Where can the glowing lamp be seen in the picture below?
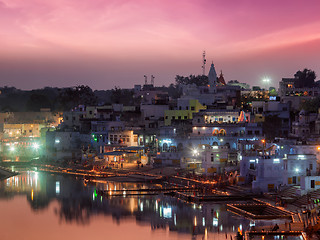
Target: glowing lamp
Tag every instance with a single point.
(36, 146)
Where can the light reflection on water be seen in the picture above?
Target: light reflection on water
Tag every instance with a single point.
(67, 208)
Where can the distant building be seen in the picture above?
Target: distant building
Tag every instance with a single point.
(295, 96)
(268, 168)
(184, 111)
(268, 111)
(304, 126)
(217, 93)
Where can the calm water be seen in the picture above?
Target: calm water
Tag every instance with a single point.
(41, 206)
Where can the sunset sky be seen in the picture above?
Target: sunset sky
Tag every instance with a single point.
(108, 43)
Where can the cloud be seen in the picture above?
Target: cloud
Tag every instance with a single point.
(149, 33)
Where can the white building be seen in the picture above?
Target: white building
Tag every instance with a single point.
(271, 171)
(297, 165)
(215, 159)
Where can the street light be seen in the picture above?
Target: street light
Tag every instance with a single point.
(36, 146)
(195, 151)
(266, 81)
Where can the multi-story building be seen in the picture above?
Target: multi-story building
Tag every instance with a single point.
(304, 126)
(293, 95)
(215, 159)
(273, 111)
(268, 167)
(209, 129)
(184, 111)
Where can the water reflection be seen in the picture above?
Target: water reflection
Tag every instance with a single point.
(79, 203)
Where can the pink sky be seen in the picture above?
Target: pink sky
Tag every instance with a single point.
(107, 43)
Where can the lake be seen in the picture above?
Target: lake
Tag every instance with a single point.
(38, 206)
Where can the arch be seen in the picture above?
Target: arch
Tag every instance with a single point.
(215, 144)
(222, 132)
(165, 147)
(180, 147)
(173, 148)
(215, 132)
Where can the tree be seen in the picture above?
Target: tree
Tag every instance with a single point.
(272, 92)
(73, 97)
(123, 96)
(311, 105)
(37, 101)
(174, 91)
(200, 80)
(304, 78)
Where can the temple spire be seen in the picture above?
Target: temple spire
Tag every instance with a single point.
(212, 78)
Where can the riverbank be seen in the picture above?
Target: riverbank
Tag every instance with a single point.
(6, 173)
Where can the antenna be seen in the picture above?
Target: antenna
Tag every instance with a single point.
(204, 60)
(152, 79)
(145, 79)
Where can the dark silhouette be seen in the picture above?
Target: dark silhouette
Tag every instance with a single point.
(200, 80)
(304, 78)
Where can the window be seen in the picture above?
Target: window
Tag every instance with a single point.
(185, 117)
(179, 107)
(166, 117)
(187, 108)
(252, 166)
(212, 159)
(198, 120)
(312, 184)
(294, 180)
(173, 118)
(250, 132)
(30, 131)
(310, 166)
(73, 118)
(179, 117)
(192, 108)
(257, 132)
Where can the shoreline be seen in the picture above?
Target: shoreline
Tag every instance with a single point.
(6, 173)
